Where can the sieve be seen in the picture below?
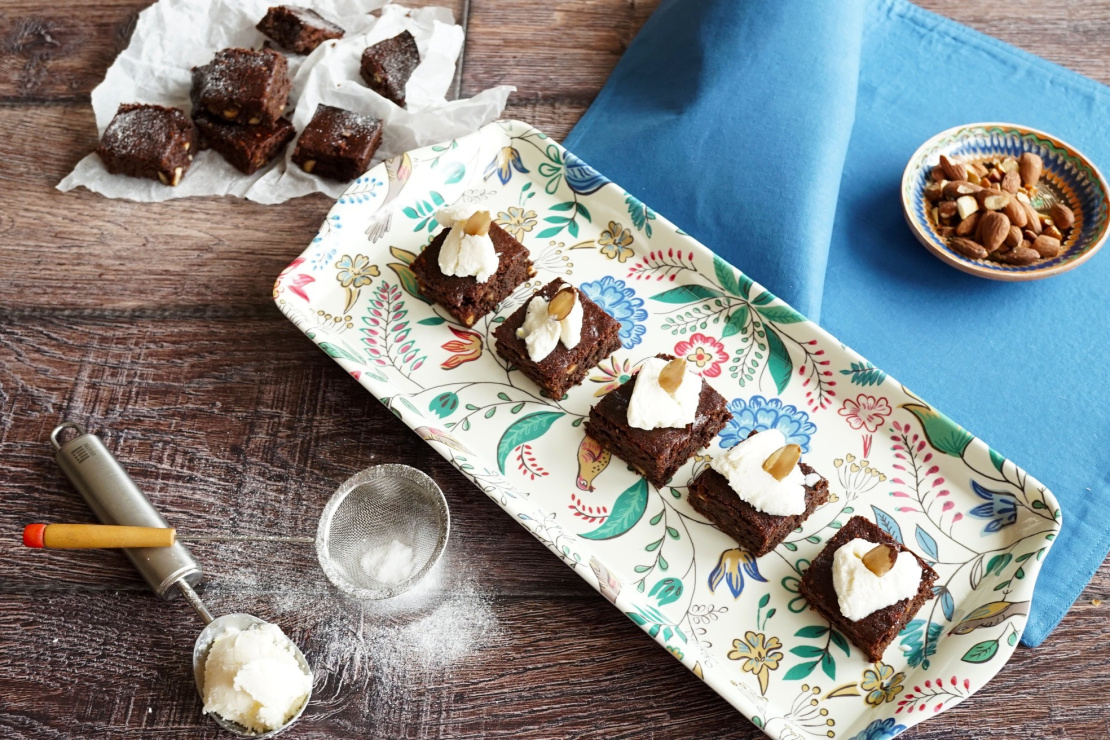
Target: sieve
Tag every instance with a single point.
(368, 512)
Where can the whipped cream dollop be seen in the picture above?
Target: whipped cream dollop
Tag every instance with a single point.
(861, 592)
(651, 407)
(541, 333)
(464, 255)
(743, 466)
(252, 677)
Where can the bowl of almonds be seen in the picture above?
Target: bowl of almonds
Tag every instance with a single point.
(1005, 202)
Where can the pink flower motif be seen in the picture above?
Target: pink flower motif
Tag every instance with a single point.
(866, 411)
(706, 354)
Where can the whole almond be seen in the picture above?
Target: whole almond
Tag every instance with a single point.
(782, 461)
(1011, 183)
(879, 560)
(968, 225)
(993, 200)
(1030, 166)
(1062, 216)
(955, 188)
(1046, 246)
(994, 227)
(1016, 213)
(561, 305)
(1034, 222)
(947, 209)
(670, 377)
(1020, 256)
(1029, 236)
(968, 248)
(937, 174)
(1015, 237)
(952, 170)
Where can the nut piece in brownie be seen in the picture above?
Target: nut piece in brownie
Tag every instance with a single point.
(387, 65)
(297, 29)
(658, 452)
(873, 632)
(593, 332)
(494, 274)
(780, 504)
(248, 148)
(243, 86)
(337, 143)
(149, 141)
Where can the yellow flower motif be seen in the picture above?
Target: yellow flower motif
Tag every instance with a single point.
(614, 242)
(675, 652)
(355, 273)
(516, 221)
(759, 656)
(881, 683)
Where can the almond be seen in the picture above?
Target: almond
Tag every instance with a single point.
(561, 305)
(1015, 211)
(968, 225)
(993, 200)
(1062, 216)
(1030, 166)
(966, 205)
(936, 174)
(956, 188)
(968, 248)
(1046, 246)
(879, 560)
(994, 228)
(952, 170)
(946, 231)
(1053, 232)
(782, 461)
(995, 175)
(670, 378)
(1020, 256)
(1009, 164)
(478, 224)
(1011, 183)
(934, 191)
(1015, 238)
(947, 209)
(1034, 222)
(979, 168)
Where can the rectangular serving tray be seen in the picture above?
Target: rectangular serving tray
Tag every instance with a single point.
(738, 623)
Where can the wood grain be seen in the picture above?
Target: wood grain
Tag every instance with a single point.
(154, 325)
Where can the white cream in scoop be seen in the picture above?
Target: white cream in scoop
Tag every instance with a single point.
(541, 333)
(743, 466)
(861, 592)
(651, 407)
(462, 254)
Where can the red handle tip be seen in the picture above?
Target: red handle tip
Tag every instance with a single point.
(33, 535)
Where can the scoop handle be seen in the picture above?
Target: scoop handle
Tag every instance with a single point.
(89, 536)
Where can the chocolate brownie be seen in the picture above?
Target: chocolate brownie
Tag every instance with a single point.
(337, 143)
(297, 29)
(712, 496)
(249, 148)
(387, 66)
(244, 86)
(877, 630)
(149, 141)
(464, 297)
(656, 453)
(564, 368)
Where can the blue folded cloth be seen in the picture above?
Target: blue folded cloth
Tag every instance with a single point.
(776, 133)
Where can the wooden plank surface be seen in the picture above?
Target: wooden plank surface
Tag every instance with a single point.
(154, 325)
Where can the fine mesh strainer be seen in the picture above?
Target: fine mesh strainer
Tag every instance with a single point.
(368, 512)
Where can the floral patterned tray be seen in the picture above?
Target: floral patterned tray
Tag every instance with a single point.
(736, 622)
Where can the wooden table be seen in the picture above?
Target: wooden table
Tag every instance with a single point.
(153, 325)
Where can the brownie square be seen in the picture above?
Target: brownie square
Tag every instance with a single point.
(297, 29)
(464, 297)
(249, 148)
(877, 630)
(564, 368)
(756, 531)
(337, 143)
(656, 453)
(149, 141)
(387, 65)
(244, 86)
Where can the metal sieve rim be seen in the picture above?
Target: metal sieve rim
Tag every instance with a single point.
(369, 475)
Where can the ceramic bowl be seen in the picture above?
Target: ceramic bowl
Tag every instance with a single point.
(1068, 178)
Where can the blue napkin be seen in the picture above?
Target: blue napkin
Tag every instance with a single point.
(776, 133)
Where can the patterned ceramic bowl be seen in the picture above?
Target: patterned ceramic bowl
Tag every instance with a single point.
(1068, 178)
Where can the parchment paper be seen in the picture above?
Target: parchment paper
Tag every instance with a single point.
(173, 36)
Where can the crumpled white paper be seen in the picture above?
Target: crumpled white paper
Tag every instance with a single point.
(173, 36)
